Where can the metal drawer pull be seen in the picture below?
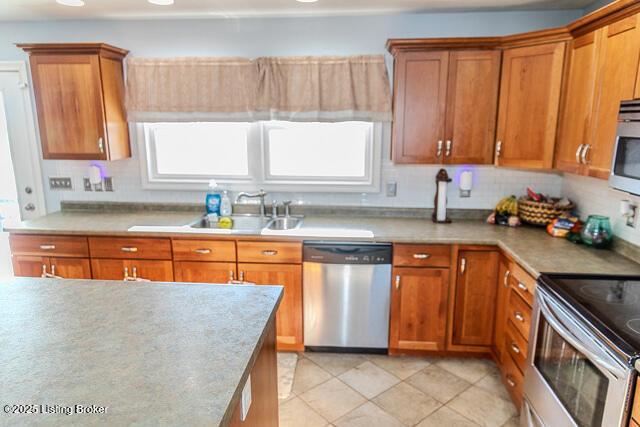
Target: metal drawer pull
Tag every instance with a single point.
(515, 348)
(271, 252)
(439, 150)
(202, 251)
(421, 256)
(463, 265)
(505, 281)
(129, 249)
(397, 282)
(518, 316)
(448, 149)
(47, 247)
(510, 381)
(523, 286)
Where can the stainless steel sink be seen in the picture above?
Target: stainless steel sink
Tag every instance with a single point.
(285, 223)
(241, 223)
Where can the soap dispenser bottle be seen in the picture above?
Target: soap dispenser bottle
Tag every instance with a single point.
(213, 199)
(225, 204)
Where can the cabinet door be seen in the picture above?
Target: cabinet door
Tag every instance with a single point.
(29, 266)
(504, 273)
(70, 106)
(475, 303)
(575, 126)
(420, 86)
(419, 299)
(108, 269)
(528, 109)
(114, 269)
(70, 268)
(204, 272)
(472, 104)
(617, 70)
(289, 317)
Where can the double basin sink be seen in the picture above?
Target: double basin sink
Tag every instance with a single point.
(253, 223)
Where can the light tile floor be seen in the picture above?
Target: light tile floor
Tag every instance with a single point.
(352, 390)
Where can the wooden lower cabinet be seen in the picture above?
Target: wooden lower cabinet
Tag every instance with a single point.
(117, 269)
(263, 411)
(419, 299)
(513, 379)
(475, 298)
(66, 268)
(289, 317)
(504, 272)
(204, 272)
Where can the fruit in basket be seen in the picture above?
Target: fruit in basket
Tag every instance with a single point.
(507, 206)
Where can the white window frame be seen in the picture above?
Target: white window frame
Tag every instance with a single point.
(257, 178)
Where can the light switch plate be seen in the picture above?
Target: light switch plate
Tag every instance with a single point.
(60, 183)
(246, 399)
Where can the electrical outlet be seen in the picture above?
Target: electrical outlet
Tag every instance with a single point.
(245, 400)
(392, 189)
(87, 184)
(107, 183)
(62, 183)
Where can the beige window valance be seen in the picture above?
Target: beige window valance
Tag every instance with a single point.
(226, 89)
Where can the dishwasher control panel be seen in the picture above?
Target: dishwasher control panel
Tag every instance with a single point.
(347, 253)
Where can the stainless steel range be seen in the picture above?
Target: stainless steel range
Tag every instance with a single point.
(584, 340)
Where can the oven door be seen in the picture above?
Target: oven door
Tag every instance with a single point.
(625, 167)
(572, 378)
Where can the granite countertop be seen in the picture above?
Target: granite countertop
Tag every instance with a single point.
(536, 251)
(152, 353)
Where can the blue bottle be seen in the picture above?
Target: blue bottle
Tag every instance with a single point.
(213, 199)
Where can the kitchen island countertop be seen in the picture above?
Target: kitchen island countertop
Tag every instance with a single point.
(150, 353)
(531, 247)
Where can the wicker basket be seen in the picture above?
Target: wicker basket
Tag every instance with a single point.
(540, 213)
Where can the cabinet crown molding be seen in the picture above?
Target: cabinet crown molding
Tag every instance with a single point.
(73, 48)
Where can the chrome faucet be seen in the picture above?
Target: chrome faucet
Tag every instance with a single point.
(260, 194)
(274, 209)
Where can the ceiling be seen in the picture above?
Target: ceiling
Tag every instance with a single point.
(140, 9)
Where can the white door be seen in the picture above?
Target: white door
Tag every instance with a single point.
(21, 190)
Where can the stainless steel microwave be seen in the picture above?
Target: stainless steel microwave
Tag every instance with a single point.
(625, 167)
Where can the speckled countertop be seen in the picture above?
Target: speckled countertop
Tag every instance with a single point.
(153, 353)
(531, 247)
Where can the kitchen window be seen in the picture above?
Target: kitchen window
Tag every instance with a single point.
(274, 155)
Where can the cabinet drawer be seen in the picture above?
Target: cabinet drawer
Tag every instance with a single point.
(513, 380)
(270, 252)
(523, 283)
(60, 246)
(203, 250)
(519, 313)
(421, 255)
(129, 248)
(516, 346)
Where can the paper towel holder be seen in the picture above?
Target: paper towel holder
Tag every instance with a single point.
(443, 177)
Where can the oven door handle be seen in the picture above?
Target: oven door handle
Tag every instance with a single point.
(552, 319)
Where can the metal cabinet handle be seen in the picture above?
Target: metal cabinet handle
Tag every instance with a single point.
(101, 145)
(202, 251)
(448, 149)
(231, 276)
(578, 152)
(523, 286)
(241, 277)
(515, 348)
(125, 273)
(505, 280)
(44, 271)
(421, 256)
(397, 282)
(270, 252)
(47, 247)
(439, 151)
(498, 148)
(583, 156)
(463, 265)
(129, 249)
(518, 316)
(510, 381)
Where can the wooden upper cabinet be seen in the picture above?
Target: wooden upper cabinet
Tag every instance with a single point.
(575, 127)
(472, 103)
(475, 298)
(418, 319)
(617, 74)
(528, 107)
(420, 86)
(79, 94)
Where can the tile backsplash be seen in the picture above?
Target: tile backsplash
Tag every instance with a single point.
(415, 185)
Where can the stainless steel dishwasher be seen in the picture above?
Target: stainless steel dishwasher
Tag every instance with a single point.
(346, 293)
